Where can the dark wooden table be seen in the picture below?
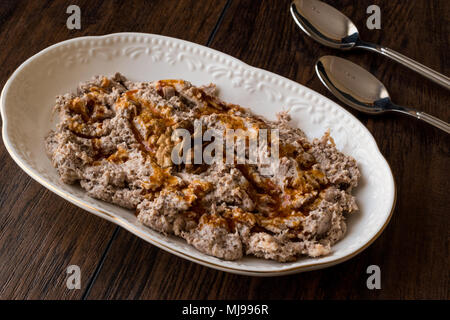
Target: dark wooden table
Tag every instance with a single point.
(41, 234)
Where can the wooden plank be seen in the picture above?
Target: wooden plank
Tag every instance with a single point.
(413, 251)
(40, 233)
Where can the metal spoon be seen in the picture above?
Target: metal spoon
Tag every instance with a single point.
(331, 28)
(359, 89)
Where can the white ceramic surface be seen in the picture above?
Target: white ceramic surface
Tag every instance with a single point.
(28, 97)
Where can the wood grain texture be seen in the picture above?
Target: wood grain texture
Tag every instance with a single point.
(412, 252)
(40, 233)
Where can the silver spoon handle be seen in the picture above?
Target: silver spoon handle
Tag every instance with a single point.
(410, 63)
(438, 123)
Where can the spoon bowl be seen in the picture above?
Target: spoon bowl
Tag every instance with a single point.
(325, 24)
(353, 85)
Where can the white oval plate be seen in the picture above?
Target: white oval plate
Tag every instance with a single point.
(28, 97)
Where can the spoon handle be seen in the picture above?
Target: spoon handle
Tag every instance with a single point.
(438, 123)
(410, 63)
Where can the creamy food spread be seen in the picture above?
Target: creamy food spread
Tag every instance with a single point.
(115, 139)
